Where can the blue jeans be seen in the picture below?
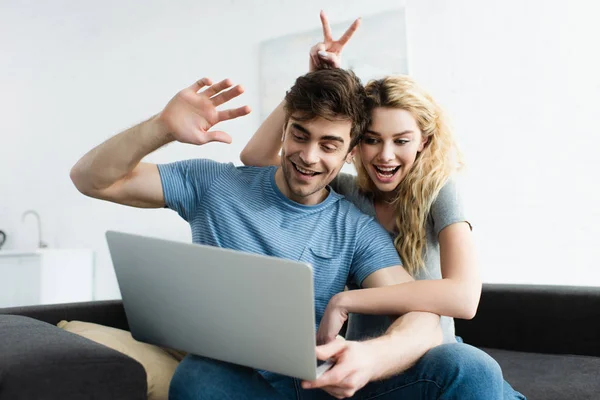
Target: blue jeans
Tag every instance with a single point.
(449, 371)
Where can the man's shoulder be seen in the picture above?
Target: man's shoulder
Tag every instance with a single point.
(254, 171)
(365, 226)
(232, 170)
(350, 211)
(211, 172)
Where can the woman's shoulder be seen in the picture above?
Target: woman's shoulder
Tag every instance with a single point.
(447, 208)
(345, 184)
(449, 193)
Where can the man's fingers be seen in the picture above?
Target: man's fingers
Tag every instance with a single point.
(224, 97)
(334, 377)
(199, 84)
(326, 28)
(330, 349)
(217, 87)
(217, 136)
(339, 393)
(233, 113)
(349, 32)
(335, 392)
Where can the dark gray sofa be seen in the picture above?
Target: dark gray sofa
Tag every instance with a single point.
(546, 338)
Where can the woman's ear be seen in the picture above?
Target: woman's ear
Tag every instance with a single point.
(424, 141)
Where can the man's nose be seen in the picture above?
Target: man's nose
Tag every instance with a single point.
(310, 155)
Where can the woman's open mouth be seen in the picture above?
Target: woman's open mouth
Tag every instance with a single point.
(386, 174)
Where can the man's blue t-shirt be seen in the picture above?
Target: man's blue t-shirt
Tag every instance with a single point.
(242, 208)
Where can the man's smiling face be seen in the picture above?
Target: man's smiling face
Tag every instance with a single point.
(312, 154)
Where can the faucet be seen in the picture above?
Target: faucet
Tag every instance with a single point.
(41, 244)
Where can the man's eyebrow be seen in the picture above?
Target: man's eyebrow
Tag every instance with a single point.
(326, 137)
(406, 132)
(300, 128)
(333, 138)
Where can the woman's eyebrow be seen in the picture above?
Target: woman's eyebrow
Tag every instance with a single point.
(406, 132)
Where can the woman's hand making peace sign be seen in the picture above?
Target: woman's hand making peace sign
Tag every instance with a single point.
(327, 54)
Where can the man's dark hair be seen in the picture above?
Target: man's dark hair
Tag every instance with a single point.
(333, 94)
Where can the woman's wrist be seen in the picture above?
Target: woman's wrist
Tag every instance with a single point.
(343, 301)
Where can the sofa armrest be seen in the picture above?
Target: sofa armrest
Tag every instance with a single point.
(536, 318)
(108, 313)
(41, 361)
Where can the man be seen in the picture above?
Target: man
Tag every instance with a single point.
(288, 212)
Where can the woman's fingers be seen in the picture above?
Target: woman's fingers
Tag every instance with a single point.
(331, 59)
(349, 32)
(314, 57)
(317, 48)
(326, 28)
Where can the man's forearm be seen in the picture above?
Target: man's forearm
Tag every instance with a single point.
(405, 342)
(118, 156)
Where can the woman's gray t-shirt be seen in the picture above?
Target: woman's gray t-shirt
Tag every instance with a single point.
(447, 209)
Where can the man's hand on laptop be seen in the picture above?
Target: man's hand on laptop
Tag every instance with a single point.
(355, 365)
(191, 112)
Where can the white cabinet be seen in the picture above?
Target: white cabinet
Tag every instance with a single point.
(46, 276)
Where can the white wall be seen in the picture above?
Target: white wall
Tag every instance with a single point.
(518, 78)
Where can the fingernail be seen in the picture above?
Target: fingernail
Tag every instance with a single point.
(322, 54)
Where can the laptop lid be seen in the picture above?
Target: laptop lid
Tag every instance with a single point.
(247, 309)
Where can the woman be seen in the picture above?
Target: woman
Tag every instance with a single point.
(405, 163)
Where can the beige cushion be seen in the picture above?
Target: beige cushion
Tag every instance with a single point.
(159, 363)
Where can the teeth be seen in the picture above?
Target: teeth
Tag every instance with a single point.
(387, 169)
(304, 171)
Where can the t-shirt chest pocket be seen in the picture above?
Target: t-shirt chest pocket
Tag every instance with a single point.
(328, 269)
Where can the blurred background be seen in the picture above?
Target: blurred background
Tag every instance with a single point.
(519, 80)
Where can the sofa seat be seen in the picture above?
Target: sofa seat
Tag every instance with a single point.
(41, 361)
(579, 376)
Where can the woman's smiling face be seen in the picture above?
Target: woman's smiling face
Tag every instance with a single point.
(390, 146)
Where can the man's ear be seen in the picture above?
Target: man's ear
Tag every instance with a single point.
(350, 155)
(285, 125)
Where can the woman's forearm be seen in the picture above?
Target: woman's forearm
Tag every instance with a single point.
(263, 148)
(440, 296)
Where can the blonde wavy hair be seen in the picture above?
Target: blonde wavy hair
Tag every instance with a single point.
(433, 166)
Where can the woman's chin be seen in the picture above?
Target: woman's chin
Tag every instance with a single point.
(385, 185)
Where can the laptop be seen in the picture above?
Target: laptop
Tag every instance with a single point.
(246, 309)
